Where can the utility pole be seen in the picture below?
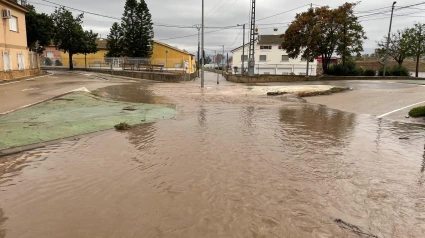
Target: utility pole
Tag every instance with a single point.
(243, 50)
(222, 59)
(252, 33)
(216, 59)
(203, 56)
(388, 39)
(227, 62)
(198, 27)
(308, 53)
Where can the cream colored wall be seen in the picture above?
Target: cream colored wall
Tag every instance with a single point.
(14, 55)
(274, 63)
(11, 39)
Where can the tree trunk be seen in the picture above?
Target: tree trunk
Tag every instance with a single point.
(417, 65)
(344, 51)
(324, 66)
(71, 65)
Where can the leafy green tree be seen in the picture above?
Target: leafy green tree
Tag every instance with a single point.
(114, 42)
(137, 29)
(398, 48)
(89, 45)
(69, 33)
(415, 38)
(207, 60)
(40, 29)
(351, 33)
(320, 32)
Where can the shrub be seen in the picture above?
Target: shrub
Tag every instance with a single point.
(369, 72)
(349, 69)
(58, 63)
(122, 126)
(48, 62)
(417, 112)
(399, 71)
(395, 71)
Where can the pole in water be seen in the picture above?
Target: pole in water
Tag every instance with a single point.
(202, 45)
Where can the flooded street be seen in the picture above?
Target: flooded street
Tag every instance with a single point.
(230, 164)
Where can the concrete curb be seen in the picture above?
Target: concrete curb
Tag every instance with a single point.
(38, 75)
(24, 148)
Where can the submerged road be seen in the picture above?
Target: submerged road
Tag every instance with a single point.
(230, 164)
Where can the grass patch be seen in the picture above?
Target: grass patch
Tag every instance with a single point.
(417, 112)
(122, 126)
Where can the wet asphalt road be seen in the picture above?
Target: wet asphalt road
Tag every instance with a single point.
(17, 94)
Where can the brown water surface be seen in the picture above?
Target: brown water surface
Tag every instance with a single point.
(227, 166)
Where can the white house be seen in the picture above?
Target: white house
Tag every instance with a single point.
(270, 58)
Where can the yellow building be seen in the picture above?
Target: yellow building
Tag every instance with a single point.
(172, 58)
(16, 60)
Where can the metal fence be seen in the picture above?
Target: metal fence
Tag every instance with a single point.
(34, 60)
(278, 69)
(166, 64)
(50, 61)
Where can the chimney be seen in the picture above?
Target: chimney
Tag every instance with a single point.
(275, 32)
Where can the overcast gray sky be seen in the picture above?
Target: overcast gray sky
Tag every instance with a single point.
(221, 13)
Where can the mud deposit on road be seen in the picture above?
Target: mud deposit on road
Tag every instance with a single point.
(227, 166)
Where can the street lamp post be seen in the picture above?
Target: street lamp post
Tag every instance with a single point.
(388, 39)
(166, 60)
(202, 51)
(222, 59)
(243, 50)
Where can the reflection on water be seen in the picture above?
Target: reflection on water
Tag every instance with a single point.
(318, 122)
(131, 92)
(225, 171)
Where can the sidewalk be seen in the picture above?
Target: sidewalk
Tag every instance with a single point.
(73, 114)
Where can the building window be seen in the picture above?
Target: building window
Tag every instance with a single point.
(265, 47)
(21, 61)
(7, 61)
(13, 23)
(285, 58)
(263, 58)
(49, 54)
(244, 57)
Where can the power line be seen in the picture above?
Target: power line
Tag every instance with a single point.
(230, 6)
(209, 12)
(282, 13)
(237, 37)
(115, 18)
(179, 37)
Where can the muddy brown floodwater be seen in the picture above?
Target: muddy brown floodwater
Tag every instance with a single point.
(226, 166)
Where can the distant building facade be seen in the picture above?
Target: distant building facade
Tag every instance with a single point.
(171, 58)
(270, 58)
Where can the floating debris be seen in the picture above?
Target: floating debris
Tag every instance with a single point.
(130, 108)
(275, 93)
(353, 228)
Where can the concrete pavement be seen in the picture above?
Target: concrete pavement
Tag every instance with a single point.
(384, 99)
(18, 94)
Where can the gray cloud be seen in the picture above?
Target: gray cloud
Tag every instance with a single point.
(221, 13)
